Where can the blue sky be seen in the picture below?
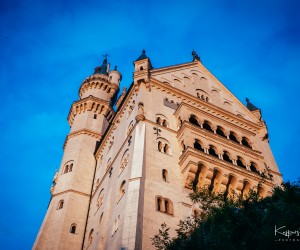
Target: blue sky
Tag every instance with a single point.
(48, 47)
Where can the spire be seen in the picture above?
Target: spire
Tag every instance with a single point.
(142, 56)
(195, 56)
(250, 106)
(103, 69)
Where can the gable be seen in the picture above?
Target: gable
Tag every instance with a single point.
(194, 79)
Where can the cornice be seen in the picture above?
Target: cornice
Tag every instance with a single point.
(88, 104)
(72, 191)
(82, 132)
(98, 81)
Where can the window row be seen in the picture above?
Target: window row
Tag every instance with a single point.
(220, 131)
(225, 155)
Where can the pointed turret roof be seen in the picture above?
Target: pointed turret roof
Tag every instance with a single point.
(250, 106)
(103, 68)
(142, 56)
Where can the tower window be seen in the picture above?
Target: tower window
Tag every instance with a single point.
(122, 190)
(91, 237)
(165, 175)
(68, 168)
(95, 116)
(73, 229)
(60, 204)
(164, 205)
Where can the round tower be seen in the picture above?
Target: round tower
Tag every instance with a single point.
(89, 117)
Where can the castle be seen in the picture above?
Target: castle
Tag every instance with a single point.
(128, 169)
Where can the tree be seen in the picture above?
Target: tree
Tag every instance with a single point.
(236, 223)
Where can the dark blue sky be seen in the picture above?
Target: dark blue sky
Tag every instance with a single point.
(48, 47)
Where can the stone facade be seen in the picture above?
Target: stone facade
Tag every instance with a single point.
(125, 172)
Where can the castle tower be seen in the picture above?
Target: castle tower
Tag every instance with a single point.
(64, 224)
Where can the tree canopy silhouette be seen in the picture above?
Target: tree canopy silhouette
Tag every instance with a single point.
(238, 223)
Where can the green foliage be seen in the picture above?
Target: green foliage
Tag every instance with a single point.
(236, 223)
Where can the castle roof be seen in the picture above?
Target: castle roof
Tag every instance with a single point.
(103, 68)
(142, 56)
(250, 106)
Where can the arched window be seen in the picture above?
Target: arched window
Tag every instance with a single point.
(226, 157)
(73, 229)
(246, 142)
(90, 237)
(198, 146)
(159, 204)
(122, 190)
(124, 161)
(207, 126)
(212, 151)
(60, 204)
(165, 175)
(166, 149)
(66, 169)
(240, 163)
(158, 120)
(100, 198)
(233, 137)
(220, 132)
(202, 95)
(162, 120)
(183, 147)
(163, 146)
(116, 225)
(167, 207)
(254, 168)
(164, 205)
(164, 123)
(159, 146)
(194, 120)
(100, 219)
